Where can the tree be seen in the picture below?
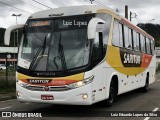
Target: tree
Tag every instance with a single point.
(153, 30)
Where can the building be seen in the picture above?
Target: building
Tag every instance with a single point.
(11, 52)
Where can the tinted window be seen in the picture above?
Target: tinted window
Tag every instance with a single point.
(72, 44)
(142, 41)
(106, 27)
(148, 46)
(136, 40)
(97, 48)
(130, 38)
(127, 37)
(152, 46)
(117, 38)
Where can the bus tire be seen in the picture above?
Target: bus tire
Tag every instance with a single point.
(146, 87)
(112, 95)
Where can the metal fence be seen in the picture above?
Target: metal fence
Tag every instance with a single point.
(7, 80)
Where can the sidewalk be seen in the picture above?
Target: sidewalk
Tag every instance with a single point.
(7, 96)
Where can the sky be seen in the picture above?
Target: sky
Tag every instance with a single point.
(146, 10)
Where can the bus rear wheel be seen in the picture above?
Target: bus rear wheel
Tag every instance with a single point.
(146, 87)
(112, 95)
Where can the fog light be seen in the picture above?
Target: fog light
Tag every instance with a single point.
(85, 96)
(17, 94)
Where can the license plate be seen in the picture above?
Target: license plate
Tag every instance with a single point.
(47, 97)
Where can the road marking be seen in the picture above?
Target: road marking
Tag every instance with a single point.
(155, 109)
(8, 100)
(5, 108)
(147, 118)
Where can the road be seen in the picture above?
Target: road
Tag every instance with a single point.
(132, 101)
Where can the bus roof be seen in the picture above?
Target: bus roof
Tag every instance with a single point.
(67, 11)
(85, 9)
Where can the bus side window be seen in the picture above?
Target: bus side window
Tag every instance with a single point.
(117, 38)
(136, 40)
(152, 47)
(127, 37)
(148, 46)
(97, 52)
(143, 43)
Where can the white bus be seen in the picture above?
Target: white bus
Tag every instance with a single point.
(81, 55)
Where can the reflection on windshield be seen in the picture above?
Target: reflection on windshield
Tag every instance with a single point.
(76, 53)
(35, 44)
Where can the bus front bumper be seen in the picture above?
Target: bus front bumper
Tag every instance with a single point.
(78, 96)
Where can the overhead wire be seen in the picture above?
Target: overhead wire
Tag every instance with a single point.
(41, 4)
(31, 5)
(139, 19)
(103, 4)
(15, 7)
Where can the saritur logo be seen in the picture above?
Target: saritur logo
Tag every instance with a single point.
(39, 81)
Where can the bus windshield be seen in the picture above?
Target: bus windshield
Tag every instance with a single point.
(55, 44)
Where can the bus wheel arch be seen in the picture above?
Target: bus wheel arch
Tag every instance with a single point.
(113, 91)
(146, 87)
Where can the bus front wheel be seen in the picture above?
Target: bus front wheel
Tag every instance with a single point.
(112, 94)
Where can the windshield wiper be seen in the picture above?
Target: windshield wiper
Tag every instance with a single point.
(61, 53)
(36, 58)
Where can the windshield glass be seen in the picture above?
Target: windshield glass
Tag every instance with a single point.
(55, 44)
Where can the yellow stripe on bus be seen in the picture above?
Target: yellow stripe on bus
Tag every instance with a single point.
(114, 60)
(77, 77)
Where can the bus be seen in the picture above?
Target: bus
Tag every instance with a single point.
(81, 55)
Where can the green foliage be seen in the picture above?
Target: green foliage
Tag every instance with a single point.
(11, 80)
(158, 68)
(153, 30)
(2, 31)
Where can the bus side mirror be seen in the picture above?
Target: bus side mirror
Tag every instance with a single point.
(8, 31)
(92, 27)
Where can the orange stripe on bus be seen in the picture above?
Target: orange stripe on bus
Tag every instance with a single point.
(146, 59)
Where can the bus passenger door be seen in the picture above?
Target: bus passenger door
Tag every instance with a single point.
(97, 64)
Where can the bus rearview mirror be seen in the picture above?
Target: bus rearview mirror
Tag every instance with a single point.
(8, 31)
(92, 27)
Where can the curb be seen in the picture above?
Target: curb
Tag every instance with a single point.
(7, 98)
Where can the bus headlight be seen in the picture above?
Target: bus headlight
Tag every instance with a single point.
(22, 84)
(81, 83)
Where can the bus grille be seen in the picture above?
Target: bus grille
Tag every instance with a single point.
(51, 88)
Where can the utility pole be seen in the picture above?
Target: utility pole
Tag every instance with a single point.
(8, 56)
(91, 1)
(126, 11)
(135, 15)
(6, 71)
(130, 16)
(16, 17)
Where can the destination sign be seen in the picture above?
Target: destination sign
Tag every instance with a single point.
(39, 23)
